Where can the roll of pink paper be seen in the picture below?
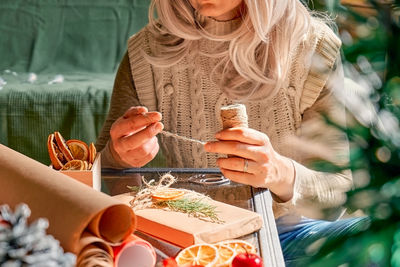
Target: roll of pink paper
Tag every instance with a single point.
(134, 252)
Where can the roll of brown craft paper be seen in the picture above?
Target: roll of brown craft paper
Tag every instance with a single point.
(234, 116)
(85, 221)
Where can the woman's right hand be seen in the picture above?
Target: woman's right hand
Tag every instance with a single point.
(133, 136)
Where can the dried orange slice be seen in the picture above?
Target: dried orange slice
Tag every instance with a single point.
(226, 255)
(239, 246)
(79, 149)
(60, 141)
(74, 165)
(56, 157)
(92, 153)
(168, 194)
(86, 165)
(202, 254)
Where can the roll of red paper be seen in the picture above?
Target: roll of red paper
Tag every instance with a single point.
(134, 252)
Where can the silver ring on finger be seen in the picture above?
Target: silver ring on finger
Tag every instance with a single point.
(246, 165)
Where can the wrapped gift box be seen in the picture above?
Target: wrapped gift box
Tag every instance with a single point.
(183, 230)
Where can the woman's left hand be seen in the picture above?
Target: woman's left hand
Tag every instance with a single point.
(253, 161)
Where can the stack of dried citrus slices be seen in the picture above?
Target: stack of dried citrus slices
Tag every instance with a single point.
(213, 255)
(70, 155)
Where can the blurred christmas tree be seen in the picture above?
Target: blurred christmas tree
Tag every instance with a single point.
(370, 32)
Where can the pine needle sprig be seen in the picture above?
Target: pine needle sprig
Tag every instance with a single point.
(193, 207)
(134, 188)
(193, 203)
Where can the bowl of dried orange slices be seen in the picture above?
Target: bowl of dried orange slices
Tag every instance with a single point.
(75, 158)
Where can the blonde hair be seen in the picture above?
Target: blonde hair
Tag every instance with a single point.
(260, 49)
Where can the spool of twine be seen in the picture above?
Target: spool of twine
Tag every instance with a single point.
(234, 116)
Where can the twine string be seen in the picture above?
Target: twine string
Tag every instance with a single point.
(232, 116)
(143, 199)
(169, 134)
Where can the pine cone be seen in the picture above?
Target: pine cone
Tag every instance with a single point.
(28, 245)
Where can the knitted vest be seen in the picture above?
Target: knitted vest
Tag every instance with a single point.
(190, 101)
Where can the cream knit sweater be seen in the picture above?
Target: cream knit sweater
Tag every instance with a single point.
(190, 104)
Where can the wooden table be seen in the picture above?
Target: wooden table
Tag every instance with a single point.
(210, 182)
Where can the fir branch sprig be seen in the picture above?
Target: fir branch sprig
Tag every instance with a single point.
(134, 188)
(193, 207)
(193, 203)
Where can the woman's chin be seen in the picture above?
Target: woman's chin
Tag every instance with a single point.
(208, 10)
(212, 14)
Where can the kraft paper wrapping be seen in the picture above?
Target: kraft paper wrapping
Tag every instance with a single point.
(85, 221)
(183, 230)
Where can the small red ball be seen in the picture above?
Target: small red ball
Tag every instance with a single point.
(169, 262)
(247, 260)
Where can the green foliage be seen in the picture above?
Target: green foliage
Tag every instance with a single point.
(371, 46)
(194, 207)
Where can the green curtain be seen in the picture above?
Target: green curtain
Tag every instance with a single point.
(82, 40)
(67, 35)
